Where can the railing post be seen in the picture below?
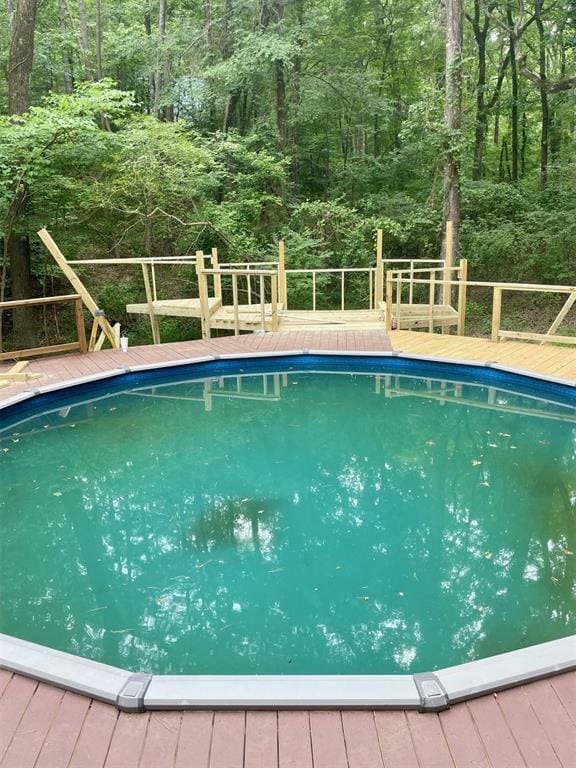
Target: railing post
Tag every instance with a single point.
(217, 278)
(203, 294)
(371, 287)
(411, 298)
(496, 313)
(462, 277)
(314, 291)
(342, 291)
(431, 297)
(150, 301)
(262, 303)
(274, 301)
(389, 299)
(235, 303)
(379, 277)
(398, 298)
(448, 263)
(282, 285)
(80, 326)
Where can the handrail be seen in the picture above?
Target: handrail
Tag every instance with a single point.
(80, 345)
(395, 278)
(235, 272)
(397, 272)
(342, 271)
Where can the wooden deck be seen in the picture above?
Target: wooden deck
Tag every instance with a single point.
(533, 726)
(222, 317)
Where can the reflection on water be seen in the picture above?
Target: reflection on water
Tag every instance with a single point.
(302, 523)
(233, 523)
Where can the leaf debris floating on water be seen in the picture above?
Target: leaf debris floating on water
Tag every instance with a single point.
(476, 462)
(362, 597)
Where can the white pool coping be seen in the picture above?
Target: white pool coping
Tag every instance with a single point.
(426, 692)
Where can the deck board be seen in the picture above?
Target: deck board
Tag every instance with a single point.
(531, 725)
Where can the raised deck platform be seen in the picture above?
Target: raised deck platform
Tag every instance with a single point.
(173, 307)
(413, 316)
(250, 315)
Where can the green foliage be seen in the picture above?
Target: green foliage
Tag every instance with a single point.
(317, 122)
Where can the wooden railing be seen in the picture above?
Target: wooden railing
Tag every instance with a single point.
(79, 345)
(550, 335)
(395, 280)
(438, 279)
(236, 274)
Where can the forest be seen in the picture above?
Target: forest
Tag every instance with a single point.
(159, 127)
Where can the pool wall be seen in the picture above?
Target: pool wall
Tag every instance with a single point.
(426, 692)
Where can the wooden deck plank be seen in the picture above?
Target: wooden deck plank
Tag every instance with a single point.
(13, 704)
(395, 739)
(261, 740)
(33, 728)
(193, 749)
(228, 740)
(362, 747)
(462, 738)
(5, 677)
(554, 720)
(498, 741)
(328, 746)
(294, 740)
(527, 730)
(429, 742)
(127, 740)
(161, 740)
(61, 739)
(94, 738)
(565, 687)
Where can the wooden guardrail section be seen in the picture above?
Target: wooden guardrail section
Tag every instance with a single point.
(248, 296)
(79, 345)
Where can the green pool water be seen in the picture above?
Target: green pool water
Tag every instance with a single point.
(297, 523)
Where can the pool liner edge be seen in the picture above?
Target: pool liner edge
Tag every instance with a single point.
(64, 670)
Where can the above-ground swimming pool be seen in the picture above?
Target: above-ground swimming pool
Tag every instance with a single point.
(296, 516)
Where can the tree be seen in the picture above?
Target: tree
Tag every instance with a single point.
(17, 245)
(454, 16)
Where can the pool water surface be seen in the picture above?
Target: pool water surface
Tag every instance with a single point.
(290, 522)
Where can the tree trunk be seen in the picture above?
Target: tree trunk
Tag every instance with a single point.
(98, 41)
(545, 129)
(524, 145)
(85, 40)
(281, 108)
(17, 247)
(151, 97)
(158, 75)
(480, 34)
(453, 116)
(68, 64)
(514, 109)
